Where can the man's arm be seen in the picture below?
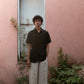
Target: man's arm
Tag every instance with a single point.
(28, 54)
(47, 49)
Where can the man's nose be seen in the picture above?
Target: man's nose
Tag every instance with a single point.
(37, 22)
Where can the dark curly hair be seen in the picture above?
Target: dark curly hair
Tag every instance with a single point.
(37, 17)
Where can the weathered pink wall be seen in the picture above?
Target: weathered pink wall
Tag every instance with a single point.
(8, 41)
(65, 23)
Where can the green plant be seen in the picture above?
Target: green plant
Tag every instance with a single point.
(77, 67)
(21, 37)
(22, 53)
(14, 22)
(23, 80)
(62, 60)
(23, 77)
(63, 73)
(0, 81)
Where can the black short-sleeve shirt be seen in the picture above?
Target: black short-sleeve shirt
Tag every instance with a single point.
(38, 43)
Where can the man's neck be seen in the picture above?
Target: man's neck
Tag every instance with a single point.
(38, 29)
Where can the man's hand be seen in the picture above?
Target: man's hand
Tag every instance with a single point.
(28, 63)
(28, 60)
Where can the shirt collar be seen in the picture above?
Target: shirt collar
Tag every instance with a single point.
(40, 30)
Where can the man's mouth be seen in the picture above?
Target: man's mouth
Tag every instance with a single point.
(37, 23)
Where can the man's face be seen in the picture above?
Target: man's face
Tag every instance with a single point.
(37, 23)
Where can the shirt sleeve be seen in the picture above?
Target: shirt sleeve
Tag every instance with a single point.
(29, 39)
(48, 39)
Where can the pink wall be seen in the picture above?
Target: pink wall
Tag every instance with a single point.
(8, 41)
(65, 23)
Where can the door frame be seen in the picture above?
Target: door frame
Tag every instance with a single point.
(18, 36)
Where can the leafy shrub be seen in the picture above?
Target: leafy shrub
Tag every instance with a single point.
(23, 80)
(23, 77)
(63, 73)
(0, 81)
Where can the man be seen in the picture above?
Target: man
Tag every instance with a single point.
(38, 47)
